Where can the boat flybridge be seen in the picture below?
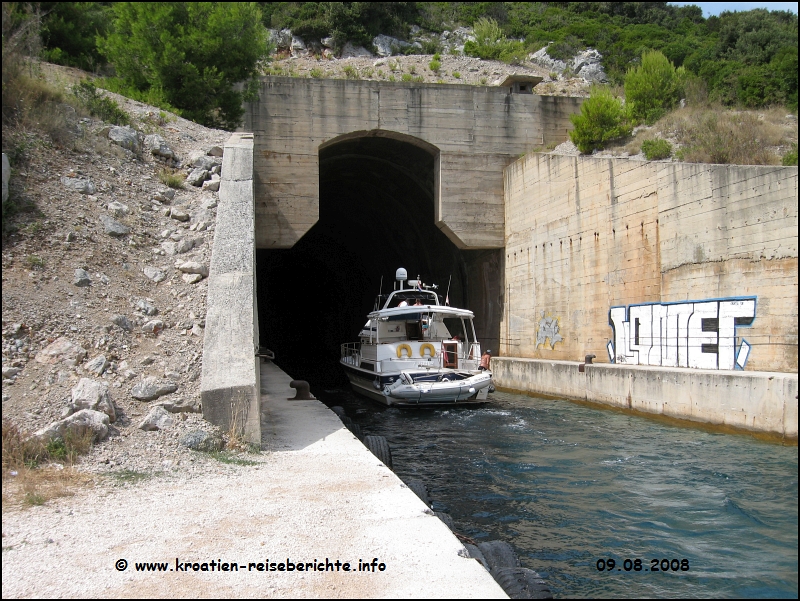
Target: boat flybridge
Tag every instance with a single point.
(414, 351)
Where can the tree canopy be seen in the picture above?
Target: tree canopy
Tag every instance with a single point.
(190, 53)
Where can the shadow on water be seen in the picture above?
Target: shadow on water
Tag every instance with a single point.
(568, 485)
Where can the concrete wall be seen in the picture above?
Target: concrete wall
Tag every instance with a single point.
(477, 131)
(761, 402)
(584, 235)
(230, 387)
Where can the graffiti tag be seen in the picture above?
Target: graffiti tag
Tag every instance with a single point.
(700, 334)
(548, 328)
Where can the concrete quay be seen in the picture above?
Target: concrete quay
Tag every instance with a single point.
(762, 402)
(335, 499)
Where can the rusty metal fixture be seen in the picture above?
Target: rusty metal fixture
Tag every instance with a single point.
(587, 360)
(303, 391)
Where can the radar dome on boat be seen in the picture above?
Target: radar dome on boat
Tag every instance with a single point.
(401, 275)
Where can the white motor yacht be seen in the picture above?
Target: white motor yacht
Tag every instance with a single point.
(414, 351)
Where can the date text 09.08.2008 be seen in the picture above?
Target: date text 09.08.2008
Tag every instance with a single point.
(635, 565)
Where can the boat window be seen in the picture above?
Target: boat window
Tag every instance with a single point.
(455, 327)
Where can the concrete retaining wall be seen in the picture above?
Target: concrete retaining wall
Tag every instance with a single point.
(230, 388)
(757, 401)
(586, 234)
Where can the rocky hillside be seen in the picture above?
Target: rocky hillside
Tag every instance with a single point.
(295, 58)
(104, 285)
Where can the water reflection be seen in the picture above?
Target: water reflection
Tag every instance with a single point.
(568, 485)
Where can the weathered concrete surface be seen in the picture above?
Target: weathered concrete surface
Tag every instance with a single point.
(757, 401)
(230, 385)
(473, 132)
(585, 234)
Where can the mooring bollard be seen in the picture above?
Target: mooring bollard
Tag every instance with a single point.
(587, 360)
(303, 391)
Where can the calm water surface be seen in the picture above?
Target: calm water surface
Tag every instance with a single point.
(567, 485)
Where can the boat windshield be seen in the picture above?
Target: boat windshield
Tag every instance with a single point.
(410, 297)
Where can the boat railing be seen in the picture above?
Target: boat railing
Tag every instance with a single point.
(350, 352)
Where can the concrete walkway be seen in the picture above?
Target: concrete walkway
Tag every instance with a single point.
(341, 502)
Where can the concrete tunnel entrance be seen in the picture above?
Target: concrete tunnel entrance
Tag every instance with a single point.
(376, 213)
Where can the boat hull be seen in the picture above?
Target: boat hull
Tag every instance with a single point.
(363, 383)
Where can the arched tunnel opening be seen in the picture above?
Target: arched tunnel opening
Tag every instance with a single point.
(376, 213)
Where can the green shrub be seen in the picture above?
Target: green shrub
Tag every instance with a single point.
(657, 149)
(431, 47)
(654, 87)
(491, 44)
(434, 66)
(315, 72)
(406, 77)
(790, 158)
(565, 49)
(456, 74)
(602, 118)
(100, 106)
(350, 72)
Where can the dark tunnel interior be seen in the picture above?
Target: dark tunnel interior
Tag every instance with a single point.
(376, 213)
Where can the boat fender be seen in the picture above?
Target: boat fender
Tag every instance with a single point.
(401, 348)
(427, 346)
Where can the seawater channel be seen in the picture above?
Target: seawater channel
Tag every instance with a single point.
(568, 485)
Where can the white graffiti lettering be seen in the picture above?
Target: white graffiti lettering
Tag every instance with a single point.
(700, 334)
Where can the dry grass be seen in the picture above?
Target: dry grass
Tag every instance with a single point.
(28, 479)
(239, 409)
(31, 487)
(713, 134)
(171, 178)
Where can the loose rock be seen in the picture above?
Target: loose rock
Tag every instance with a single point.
(151, 388)
(113, 227)
(126, 137)
(197, 176)
(157, 419)
(158, 146)
(200, 440)
(179, 214)
(90, 394)
(82, 278)
(146, 307)
(118, 209)
(122, 322)
(82, 186)
(62, 350)
(77, 425)
(153, 327)
(154, 274)
(97, 365)
(194, 267)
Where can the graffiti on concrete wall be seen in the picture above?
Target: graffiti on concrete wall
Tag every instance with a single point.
(700, 334)
(548, 329)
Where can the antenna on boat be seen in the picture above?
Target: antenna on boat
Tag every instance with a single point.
(401, 275)
(447, 296)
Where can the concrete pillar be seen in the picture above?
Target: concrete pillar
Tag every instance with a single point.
(230, 390)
